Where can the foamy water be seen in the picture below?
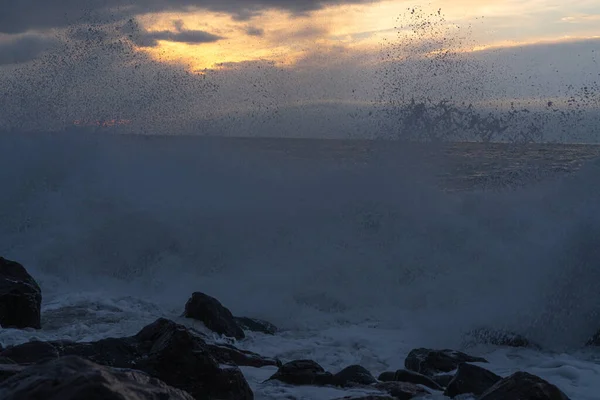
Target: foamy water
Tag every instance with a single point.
(356, 262)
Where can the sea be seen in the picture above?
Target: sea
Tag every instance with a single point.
(358, 250)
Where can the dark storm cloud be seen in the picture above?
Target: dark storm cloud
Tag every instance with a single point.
(254, 31)
(23, 15)
(15, 49)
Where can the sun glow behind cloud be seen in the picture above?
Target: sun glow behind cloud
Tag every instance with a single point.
(288, 39)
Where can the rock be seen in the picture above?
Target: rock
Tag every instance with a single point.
(402, 390)
(430, 362)
(403, 375)
(163, 349)
(522, 385)
(442, 380)
(230, 355)
(76, 378)
(7, 370)
(368, 397)
(594, 340)
(215, 316)
(256, 325)
(497, 338)
(354, 374)
(302, 372)
(471, 379)
(20, 297)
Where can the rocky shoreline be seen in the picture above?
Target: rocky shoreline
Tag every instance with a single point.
(166, 360)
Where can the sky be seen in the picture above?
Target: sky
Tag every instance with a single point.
(273, 66)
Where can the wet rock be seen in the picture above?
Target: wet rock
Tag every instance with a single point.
(497, 338)
(354, 374)
(77, 378)
(9, 369)
(368, 397)
(471, 379)
(20, 297)
(402, 390)
(594, 340)
(442, 380)
(303, 372)
(230, 355)
(163, 349)
(522, 385)
(213, 314)
(430, 362)
(403, 375)
(256, 325)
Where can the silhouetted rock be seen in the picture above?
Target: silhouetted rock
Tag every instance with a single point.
(442, 380)
(256, 325)
(430, 362)
(215, 316)
(594, 340)
(354, 374)
(402, 390)
(471, 379)
(403, 375)
(522, 385)
(498, 338)
(77, 379)
(20, 297)
(9, 369)
(230, 355)
(302, 372)
(163, 349)
(368, 397)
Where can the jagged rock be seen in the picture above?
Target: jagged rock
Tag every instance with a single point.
(354, 374)
(471, 379)
(76, 378)
(163, 349)
(256, 325)
(430, 362)
(9, 369)
(497, 338)
(442, 380)
(230, 355)
(368, 397)
(402, 390)
(215, 316)
(403, 375)
(302, 372)
(522, 385)
(20, 297)
(594, 340)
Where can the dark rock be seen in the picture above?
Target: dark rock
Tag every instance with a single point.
(430, 362)
(230, 355)
(7, 370)
(31, 352)
(471, 379)
(402, 390)
(497, 338)
(522, 385)
(354, 374)
(302, 372)
(76, 378)
(442, 380)
(256, 325)
(163, 349)
(215, 316)
(403, 375)
(594, 340)
(368, 397)
(6, 360)
(20, 297)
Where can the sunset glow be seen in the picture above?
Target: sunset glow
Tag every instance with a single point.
(288, 39)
